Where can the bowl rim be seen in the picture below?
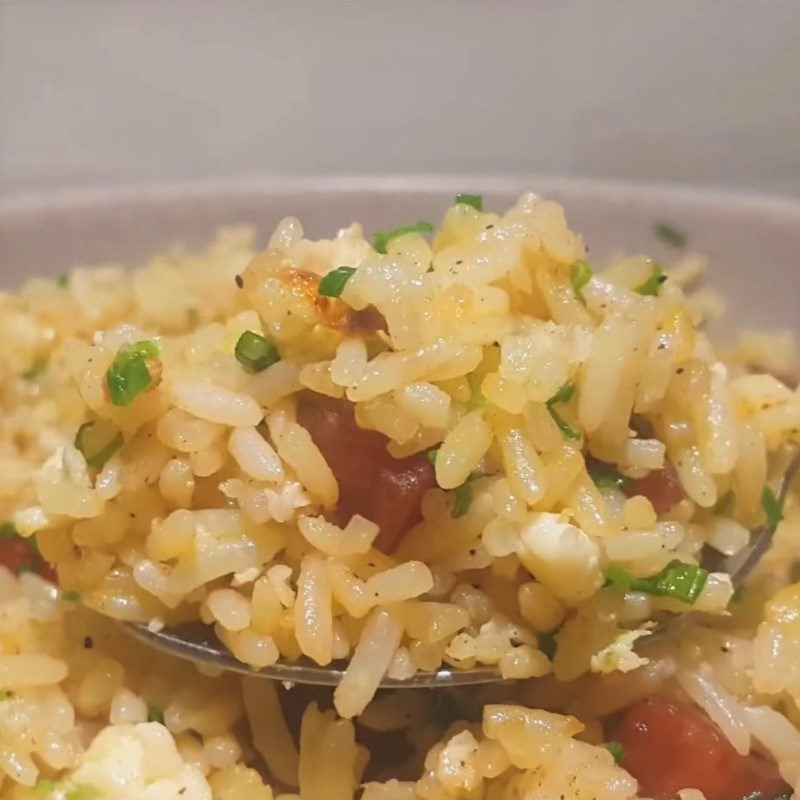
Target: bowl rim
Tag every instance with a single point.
(700, 197)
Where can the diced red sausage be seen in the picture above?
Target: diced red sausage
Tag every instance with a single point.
(18, 554)
(661, 487)
(388, 491)
(671, 746)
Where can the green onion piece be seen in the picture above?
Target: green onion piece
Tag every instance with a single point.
(476, 397)
(605, 477)
(382, 238)
(772, 508)
(570, 431)
(622, 579)
(97, 443)
(4, 695)
(71, 597)
(652, 286)
(8, 531)
(25, 566)
(333, 283)
(737, 598)
(463, 500)
(617, 749)
(580, 274)
(62, 281)
(82, 792)
(155, 714)
(36, 369)
(669, 235)
(129, 376)
(564, 395)
(547, 644)
(431, 456)
(681, 581)
(474, 200)
(45, 787)
(255, 352)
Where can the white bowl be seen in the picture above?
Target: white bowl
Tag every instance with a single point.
(751, 241)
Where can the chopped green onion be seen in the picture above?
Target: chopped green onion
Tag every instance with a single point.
(678, 580)
(564, 395)
(652, 286)
(129, 376)
(617, 749)
(605, 477)
(36, 369)
(97, 443)
(431, 456)
(82, 792)
(669, 235)
(71, 597)
(155, 714)
(333, 283)
(463, 500)
(570, 431)
(62, 281)
(580, 274)
(45, 787)
(25, 566)
(255, 352)
(772, 508)
(622, 579)
(737, 598)
(547, 644)
(476, 397)
(474, 200)
(382, 238)
(8, 531)
(682, 581)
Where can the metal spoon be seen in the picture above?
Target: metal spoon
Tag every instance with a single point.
(197, 642)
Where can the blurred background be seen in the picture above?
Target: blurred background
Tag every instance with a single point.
(95, 93)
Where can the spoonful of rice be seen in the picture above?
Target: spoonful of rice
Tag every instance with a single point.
(367, 668)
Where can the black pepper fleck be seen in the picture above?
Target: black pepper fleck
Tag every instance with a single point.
(88, 642)
(239, 281)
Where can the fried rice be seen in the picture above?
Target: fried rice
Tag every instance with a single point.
(459, 447)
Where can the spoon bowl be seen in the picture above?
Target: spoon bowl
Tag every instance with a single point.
(197, 642)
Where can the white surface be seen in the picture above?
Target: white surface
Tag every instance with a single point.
(751, 242)
(122, 91)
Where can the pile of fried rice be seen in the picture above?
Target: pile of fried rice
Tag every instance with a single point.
(459, 447)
